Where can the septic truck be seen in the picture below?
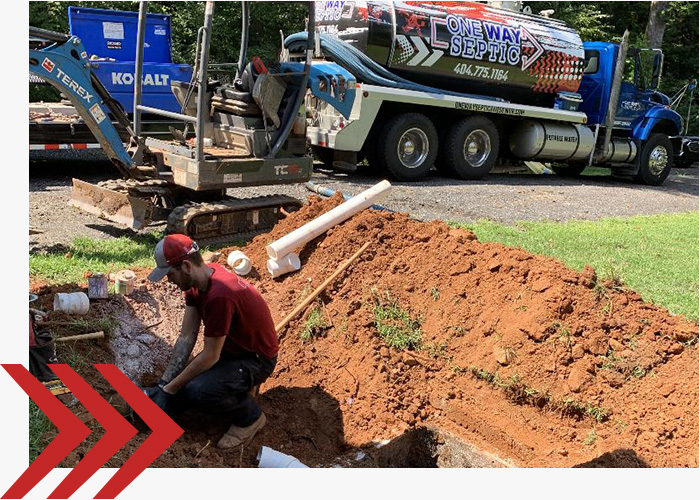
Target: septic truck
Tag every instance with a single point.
(458, 85)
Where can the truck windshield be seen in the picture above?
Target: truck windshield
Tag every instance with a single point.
(643, 68)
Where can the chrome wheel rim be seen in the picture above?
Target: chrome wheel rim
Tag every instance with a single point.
(413, 148)
(658, 160)
(477, 148)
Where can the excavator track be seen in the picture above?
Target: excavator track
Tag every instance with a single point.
(228, 219)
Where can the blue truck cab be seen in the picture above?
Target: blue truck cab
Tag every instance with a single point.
(643, 113)
(109, 36)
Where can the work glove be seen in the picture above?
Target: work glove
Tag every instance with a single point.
(161, 398)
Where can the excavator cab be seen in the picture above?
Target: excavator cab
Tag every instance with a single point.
(250, 131)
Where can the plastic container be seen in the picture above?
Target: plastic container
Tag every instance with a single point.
(124, 282)
(239, 262)
(112, 33)
(286, 264)
(568, 101)
(73, 303)
(98, 286)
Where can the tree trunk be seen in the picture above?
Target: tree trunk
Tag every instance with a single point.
(656, 25)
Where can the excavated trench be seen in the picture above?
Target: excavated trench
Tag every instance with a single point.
(518, 360)
(431, 447)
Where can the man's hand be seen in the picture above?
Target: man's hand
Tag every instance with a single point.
(160, 398)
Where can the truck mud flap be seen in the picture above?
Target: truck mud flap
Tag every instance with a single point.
(111, 205)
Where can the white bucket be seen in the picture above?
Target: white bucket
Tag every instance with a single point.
(269, 458)
(74, 303)
(239, 262)
(286, 264)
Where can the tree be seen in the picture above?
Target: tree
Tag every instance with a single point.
(656, 24)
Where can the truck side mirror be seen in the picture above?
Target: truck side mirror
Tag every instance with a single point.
(656, 70)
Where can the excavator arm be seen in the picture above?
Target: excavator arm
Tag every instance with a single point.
(65, 65)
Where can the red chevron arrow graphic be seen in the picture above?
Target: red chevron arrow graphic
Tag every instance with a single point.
(72, 431)
(118, 431)
(165, 431)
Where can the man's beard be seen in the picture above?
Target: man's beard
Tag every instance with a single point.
(187, 285)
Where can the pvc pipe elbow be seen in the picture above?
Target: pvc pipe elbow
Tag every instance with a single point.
(269, 458)
(286, 264)
(239, 262)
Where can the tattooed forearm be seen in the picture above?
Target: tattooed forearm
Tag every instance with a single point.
(181, 353)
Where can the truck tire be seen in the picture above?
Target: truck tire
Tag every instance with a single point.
(569, 170)
(471, 147)
(407, 146)
(656, 160)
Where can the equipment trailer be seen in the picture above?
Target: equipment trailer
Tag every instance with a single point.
(248, 133)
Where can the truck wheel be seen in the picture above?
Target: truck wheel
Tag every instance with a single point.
(569, 170)
(656, 161)
(471, 148)
(407, 146)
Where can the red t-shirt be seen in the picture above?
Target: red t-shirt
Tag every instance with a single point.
(233, 307)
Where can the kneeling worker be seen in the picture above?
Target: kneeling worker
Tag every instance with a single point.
(240, 342)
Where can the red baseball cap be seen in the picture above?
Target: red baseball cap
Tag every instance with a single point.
(171, 250)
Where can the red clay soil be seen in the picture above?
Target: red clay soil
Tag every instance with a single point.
(520, 356)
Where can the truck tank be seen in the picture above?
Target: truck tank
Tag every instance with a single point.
(462, 46)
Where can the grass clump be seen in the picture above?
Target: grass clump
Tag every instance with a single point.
(315, 325)
(518, 392)
(396, 325)
(92, 324)
(39, 424)
(590, 438)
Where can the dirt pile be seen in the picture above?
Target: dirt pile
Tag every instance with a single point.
(516, 354)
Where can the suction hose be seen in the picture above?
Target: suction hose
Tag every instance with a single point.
(367, 70)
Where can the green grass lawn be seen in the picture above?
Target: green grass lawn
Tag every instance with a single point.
(96, 255)
(99, 256)
(656, 255)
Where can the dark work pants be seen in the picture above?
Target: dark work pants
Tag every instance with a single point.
(224, 389)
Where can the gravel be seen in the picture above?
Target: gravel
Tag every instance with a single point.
(503, 198)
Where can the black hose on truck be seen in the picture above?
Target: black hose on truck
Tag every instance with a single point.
(366, 70)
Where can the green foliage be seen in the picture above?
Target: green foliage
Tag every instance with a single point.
(45, 93)
(266, 19)
(93, 323)
(395, 324)
(98, 256)
(590, 438)
(655, 255)
(517, 391)
(315, 325)
(606, 21)
(39, 424)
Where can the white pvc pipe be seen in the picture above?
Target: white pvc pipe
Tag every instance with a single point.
(74, 303)
(290, 242)
(269, 458)
(286, 264)
(239, 262)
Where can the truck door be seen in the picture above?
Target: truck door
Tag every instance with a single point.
(597, 77)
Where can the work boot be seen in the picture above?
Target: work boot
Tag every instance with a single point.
(238, 436)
